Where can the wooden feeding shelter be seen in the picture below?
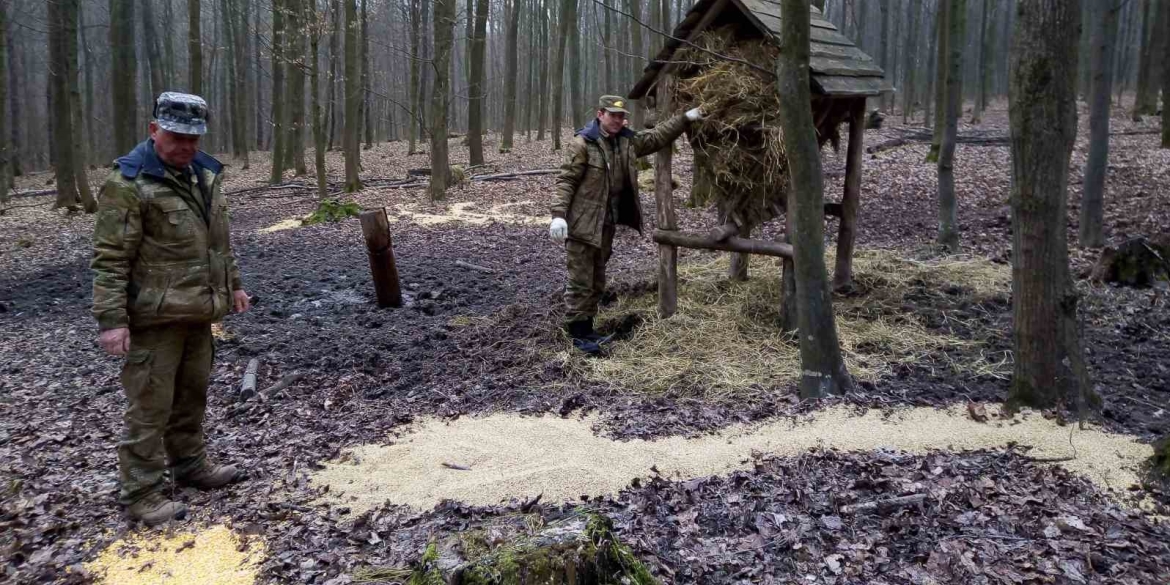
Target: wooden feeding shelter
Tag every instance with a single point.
(842, 77)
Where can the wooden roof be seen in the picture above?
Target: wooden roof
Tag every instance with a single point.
(837, 66)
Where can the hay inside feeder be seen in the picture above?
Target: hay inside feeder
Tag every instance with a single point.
(740, 160)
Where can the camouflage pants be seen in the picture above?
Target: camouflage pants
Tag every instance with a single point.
(586, 276)
(165, 378)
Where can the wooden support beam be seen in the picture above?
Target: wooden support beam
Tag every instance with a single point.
(724, 231)
(376, 229)
(851, 199)
(664, 211)
(732, 244)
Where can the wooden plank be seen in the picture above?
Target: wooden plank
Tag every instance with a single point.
(839, 52)
(843, 67)
(772, 8)
(848, 86)
(732, 244)
(850, 199)
(664, 212)
(771, 24)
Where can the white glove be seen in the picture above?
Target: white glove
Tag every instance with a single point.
(695, 114)
(558, 230)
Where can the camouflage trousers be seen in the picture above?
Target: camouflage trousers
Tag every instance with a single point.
(165, 378)
(586, 276)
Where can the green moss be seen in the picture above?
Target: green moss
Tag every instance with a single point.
(333, 210)
(426, 573)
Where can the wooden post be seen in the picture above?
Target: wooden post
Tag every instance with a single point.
(735, 244)
(376, 229)
(851, 199)
(664, 209)
(738, 271)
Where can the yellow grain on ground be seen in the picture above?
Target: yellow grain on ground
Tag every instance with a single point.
(207, 557)
(284, 224)
(466, 212)
(511, 456)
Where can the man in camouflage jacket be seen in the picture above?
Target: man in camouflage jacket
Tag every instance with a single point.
(164, 271)
(597, 190)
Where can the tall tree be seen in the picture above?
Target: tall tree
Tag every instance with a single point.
(279, 109)
(62, 128)
(238, 23)
(232, 91)
(154, 54)
(909, 87)
(476, 89)
(168, 47)
(942, 22)
(194, 48)
(1043, 117)
(1165, 22)
(87, 119)
(887, 61)
(1103, 45)
(335, 35)
(543, 92)
(568, 10)
(295, 78)
(948, 225)
(444, 33)
(821, 363)
(635, 9)
(5, 175)
(986, 46)
(124, 75)
(315, 106)
(510, 74)
(70, 9)
(1148, 60)
(415, 57)
(367, 116)
(351, 136)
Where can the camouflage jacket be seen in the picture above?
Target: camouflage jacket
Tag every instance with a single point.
(161, 250)
(583, 185)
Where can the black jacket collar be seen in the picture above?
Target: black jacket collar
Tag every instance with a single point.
(592, 131)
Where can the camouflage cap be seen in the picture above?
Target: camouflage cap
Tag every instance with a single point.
(613, 103)
(181, 113)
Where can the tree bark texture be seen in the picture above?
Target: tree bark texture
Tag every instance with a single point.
(634, 8)
(850, 199)
(948, 223)
(62, 129)
(69, 13)
(1164, 12)
(909, 88)
(942, 45)
(315, 105)
(412, 125)
(476, 89)
(367, 115)
(567, 15)
(194, 48)
(510, 74)
(335, 35)
(154, 54)
(124, 77)
(279, 87)
(666, 219)
(351, 136)
(444, 43)
(1103, 47)
(5, 136)
(1043, 118)
(823, 368)
(295, 57)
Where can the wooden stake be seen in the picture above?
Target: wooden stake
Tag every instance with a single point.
(851, 199)
(376, 229)
(664, 209)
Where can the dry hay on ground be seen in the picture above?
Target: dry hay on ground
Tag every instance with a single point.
(214, 556)
(725, 339)
(465, 212)
(508, 456)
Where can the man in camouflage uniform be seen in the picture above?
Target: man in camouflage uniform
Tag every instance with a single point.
(163, 273)
(597, 190)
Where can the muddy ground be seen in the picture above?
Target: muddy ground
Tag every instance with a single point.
(470, 342)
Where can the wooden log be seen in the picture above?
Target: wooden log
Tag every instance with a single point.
(285, 382)
(724, 231)
(884, 506)
(474, 267)
(851, 199)
(664, 211)
(737, 271)
(579, 550)
(376, 229)
(248, 388)
(732, 244)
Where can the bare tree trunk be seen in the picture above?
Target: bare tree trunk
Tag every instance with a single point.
(351, 136)
(428, 53)
(941, 71)
(168, 47)
(231, 90)
(87, 121)
(5, 175)
(367, 116)
(558, 72)
(69, 14)
(928, 96)
(887, 61)
(510, 74)
(123, 76)
(62, 129)
(1043, 113)
(334, 54)
(911, 67)
(154, 55)
(412, 125)
(948, 224)
(279, 8)
(194, 48)
(244, 97)
(1147, 99)
(295, 94)
(576, 96)
(315, 92)
(984, 62)
(542, 117)
(823, 368)
(444, 43)
(634, 7)
(477, 89)
(1165, 76)
(1103, 45)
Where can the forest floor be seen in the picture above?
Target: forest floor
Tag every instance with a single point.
(689, 434)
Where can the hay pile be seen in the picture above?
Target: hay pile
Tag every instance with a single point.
(738, 147)
(725, 341)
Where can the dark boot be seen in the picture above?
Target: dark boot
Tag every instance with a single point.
(154, 509)
(581, 333)
(209, 477)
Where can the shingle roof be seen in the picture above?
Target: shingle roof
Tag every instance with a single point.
(837, 66)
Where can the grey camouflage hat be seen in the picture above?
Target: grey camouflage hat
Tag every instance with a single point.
(181, 113)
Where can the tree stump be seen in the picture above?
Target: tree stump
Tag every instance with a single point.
(1137, 263)
(580, 550)
(376, 229)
